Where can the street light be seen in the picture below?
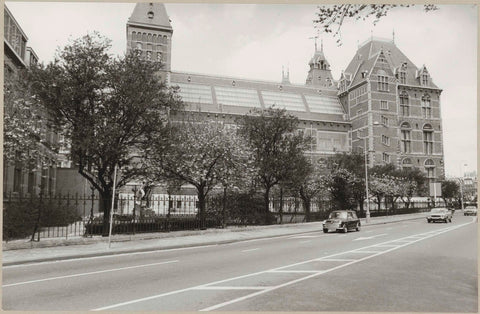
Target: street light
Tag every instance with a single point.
(365, 150)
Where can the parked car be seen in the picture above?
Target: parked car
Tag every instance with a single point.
(342, 220)
(440, 214)
(470, 211)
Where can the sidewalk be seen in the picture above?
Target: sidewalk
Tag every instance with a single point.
(21, 252)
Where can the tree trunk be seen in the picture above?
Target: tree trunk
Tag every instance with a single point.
(281, 205)
(267, 203)
(201, 207)
(224, 223)
(105, 206)
(306, 205)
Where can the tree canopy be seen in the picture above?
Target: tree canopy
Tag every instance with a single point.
(104, 105)
(276, 145)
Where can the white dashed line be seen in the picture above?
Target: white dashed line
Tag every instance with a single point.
(250, 250)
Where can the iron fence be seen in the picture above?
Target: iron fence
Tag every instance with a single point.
(67, 216)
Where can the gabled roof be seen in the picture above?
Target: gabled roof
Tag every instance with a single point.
(150, 15)
(366, 55)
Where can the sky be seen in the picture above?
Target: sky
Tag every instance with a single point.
(254, 41)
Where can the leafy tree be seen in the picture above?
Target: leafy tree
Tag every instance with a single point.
(313, 184)
(330, 18)
(106, 107)
(412, 183)
(23, 121)
(203, 154)
(271, 134)
(354, 163)
(339, 183)
(450, 191)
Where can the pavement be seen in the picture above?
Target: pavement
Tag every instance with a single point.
(23, 252)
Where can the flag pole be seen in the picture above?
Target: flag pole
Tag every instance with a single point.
(113, 202)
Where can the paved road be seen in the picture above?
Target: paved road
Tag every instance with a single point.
(404, 266)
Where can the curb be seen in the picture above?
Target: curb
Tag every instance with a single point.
(169, 247)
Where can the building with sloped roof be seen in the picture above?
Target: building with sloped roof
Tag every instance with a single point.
(394, 108)
(382, 100)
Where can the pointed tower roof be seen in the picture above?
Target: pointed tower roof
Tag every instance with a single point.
(151, 15)
(318, 55)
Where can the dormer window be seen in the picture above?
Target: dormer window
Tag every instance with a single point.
(424, 79)
(402, 76)
(150, 14)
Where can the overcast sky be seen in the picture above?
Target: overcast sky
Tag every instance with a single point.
(254, 41)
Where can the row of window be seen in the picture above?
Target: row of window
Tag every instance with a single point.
(148, 37)
(357, 92)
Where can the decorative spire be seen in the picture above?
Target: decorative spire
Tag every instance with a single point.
(393, 36)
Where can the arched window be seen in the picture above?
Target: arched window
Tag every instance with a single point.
(404, 105)
(427, 139)
(426, 107)
(382, 80)
(144, 37)
(406, 138)
(134, 36)
(149, 37)
(407, 163)
(430, 168)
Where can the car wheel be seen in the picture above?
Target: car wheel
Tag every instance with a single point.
(446, 220)
(429, 221)
(358, 226)
(345, 229)
(325, 230)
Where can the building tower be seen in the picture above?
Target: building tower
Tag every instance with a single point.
(149, 31)
(319, 73)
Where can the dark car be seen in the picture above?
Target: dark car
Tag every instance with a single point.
(440, 214)
(342, 220)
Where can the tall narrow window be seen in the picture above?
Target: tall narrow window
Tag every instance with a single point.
(403, 77)
(383, 105)
(406, 139)
(425, 79)
(430, 168)
(386, 157)
(382, 82)
(384, 120)
(404, 105)
(428, 139)
(426, 107)
(407, 163)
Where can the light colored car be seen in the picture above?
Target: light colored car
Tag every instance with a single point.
(470, 211)
(440, 214)
(342, 220)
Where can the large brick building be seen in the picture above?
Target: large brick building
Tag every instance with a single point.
(18, 177)
(382, 100)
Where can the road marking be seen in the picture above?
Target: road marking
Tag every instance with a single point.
(368, 238)
(231, 288)
(365, 252)
(305, 236)
(251, 250)
(326, 258)
(214, 307)
(335, 259)
(86, 274)
(293, 271)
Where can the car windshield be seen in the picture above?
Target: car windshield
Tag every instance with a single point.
(438, 210)
(340, 215)
(470, 207)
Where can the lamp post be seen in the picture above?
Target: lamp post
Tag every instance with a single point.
(367, 213)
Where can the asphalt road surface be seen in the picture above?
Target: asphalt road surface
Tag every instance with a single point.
(403, 267)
